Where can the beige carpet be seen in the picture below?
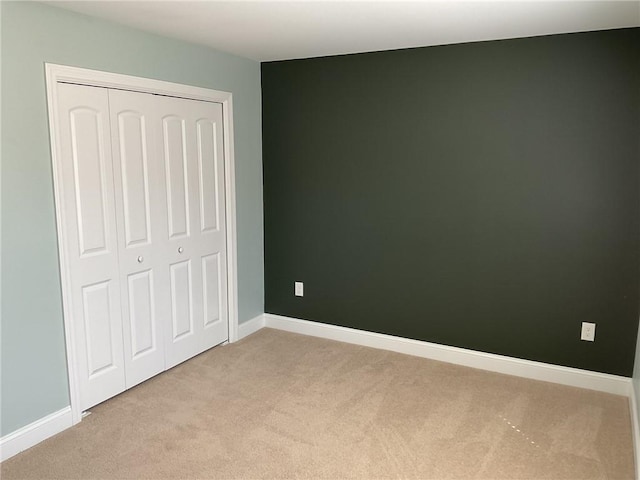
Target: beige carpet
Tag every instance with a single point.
(280, 405)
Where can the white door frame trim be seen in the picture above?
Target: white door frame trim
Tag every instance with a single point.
(56, 74)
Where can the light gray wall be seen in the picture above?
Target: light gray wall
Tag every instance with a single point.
(34, 381)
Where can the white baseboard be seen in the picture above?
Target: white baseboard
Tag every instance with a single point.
(36, 432)
(635, 427)
(250, 326)
(485, 361)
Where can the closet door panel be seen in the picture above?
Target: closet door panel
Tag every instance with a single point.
(142, 313)
(98, 315)
(179, 167)
(212, 288)
(89, 179)
(140, 212)
(192, 146)
(181, 300)
(175, 159)
(208, 168)
(134, 169)
(211, 237)
(85, 181)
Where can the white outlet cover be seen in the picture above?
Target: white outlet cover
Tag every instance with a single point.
(299, 289)
(588, 332)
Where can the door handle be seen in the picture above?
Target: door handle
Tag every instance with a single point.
(140, 259)
(180, 249)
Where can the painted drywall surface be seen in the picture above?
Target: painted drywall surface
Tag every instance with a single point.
(482, 195)
(34, 381)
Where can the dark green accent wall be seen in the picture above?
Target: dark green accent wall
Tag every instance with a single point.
(482, 195)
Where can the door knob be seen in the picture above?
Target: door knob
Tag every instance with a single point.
(140, 259)
(180, 250)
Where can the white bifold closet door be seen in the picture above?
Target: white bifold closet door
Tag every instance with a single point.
(144, 232)
(141, 224)
(192, 158)
(91, 240)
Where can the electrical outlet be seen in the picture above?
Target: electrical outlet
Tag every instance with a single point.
(299, 289)
(588, 332)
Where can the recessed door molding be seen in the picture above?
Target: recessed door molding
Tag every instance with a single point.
(60, 74)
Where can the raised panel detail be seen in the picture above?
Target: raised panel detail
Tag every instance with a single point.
(141, 312)
(211, 288)
(88, 170)
(208, 174)
(96, 303)
(175, 156)
(181, 299)
(135, 178)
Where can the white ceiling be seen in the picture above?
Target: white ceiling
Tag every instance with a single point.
(276, 30)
